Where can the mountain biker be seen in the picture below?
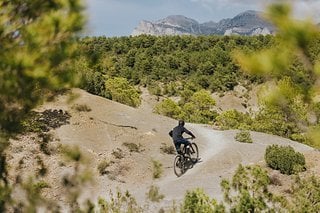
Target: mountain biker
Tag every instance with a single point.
(176, 134)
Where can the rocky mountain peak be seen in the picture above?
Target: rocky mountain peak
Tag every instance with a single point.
(249, 22)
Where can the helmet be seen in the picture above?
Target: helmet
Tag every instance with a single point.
(181, 122)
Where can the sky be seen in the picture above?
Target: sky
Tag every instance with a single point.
(119, 17)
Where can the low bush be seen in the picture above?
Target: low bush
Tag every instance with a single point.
(306, 195)
(38, 186)
(167, 149)
(82, 108)
(102, 166)
(118, 154)
(119, 89)
(133, 147)
(198, 201)
(157, 169)
(243, 137)
(285, 159)
(233, 119)
(118, 202)
(154, 194)
(169, 108)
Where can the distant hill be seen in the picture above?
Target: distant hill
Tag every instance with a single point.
(247, 23)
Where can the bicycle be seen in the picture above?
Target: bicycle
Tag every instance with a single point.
(186, 160)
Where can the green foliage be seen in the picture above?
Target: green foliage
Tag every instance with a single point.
(166, 59)
(82, 108)
(313, 136)
(40, 185)
(272, 121)
(155, 89)
(168, 108)
(306, 195)
(118, 153)
(285, 159)
(133, 147)
(233, 119)
(168, 149)
(119, 89)
(198, 108)
(119, 202)
(244, 137)
(248, 191)
(157, 169)
(37, 48)
(293, 68)
(102, 166)
(37, 45)
(197, 201)
(154, 194)
(72, 153)
(194, 107)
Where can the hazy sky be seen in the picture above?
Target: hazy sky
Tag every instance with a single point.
(120, 17)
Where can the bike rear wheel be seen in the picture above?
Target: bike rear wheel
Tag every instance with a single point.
(193, 152)
(178, 165)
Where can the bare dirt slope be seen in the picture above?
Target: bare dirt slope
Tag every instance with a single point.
(102, 133)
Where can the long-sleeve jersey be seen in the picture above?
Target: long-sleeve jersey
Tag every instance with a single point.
(177, 132)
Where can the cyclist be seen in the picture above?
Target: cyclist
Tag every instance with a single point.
(176, 134)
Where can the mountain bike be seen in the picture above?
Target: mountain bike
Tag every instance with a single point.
(186, 159)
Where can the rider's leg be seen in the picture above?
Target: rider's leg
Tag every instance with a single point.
(178, 145)
(185, 142)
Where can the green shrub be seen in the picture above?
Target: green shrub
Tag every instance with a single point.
(313, 137)
(197, 107)
(170, 150)
(154, 194)
(198, 201)
(133, 147)
(154, 89)
(233, 119)
(119, 89)
(119, 202)
(82, 108)
(157, 169)
(298, 137)
(168, 108)
(40, 185)
(118, 154)
(306, 195)
(102, 167)
(244, 137)
(248, 191)
(285, 159)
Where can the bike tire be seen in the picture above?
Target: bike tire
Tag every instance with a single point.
(193, 152)
(178, 165)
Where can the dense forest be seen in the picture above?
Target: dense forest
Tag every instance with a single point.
(192, 68)
(198, 62)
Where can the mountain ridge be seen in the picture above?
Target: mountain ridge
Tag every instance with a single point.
(249, 22)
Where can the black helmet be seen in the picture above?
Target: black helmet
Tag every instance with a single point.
(181, 122)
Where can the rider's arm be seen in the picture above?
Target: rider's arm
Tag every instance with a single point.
(189, 133)
(170, 133)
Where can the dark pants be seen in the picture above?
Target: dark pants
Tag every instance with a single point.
(178, 143)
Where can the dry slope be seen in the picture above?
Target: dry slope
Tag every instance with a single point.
(104, 132)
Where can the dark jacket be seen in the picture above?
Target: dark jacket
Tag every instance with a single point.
(177, 132)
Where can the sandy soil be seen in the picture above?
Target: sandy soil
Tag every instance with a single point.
(104, 130)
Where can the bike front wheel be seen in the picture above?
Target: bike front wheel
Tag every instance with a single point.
(178, 165)
(194, 152)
